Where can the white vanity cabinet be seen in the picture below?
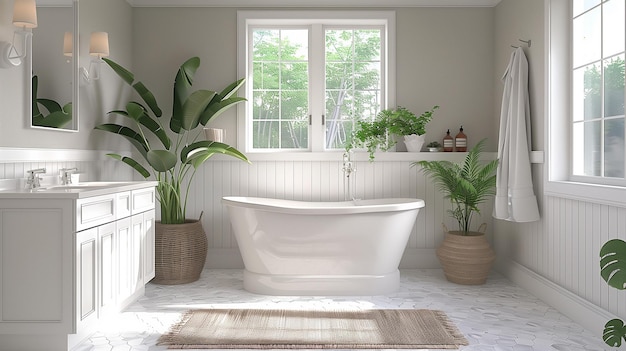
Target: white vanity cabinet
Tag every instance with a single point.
(70, 258)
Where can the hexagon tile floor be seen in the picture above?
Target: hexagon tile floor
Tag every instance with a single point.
(497, 316)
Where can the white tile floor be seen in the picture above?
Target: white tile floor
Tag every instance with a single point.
(497, 316)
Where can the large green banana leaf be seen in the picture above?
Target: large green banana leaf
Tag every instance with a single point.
(134, 137)
(200, 151)
(140, 88)
(129, 161)
(182, 86)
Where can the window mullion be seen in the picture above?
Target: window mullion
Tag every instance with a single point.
(317, 74)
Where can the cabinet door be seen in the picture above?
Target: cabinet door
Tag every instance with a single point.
(125, 258)
(138, 232)
(148, 246)
(108, 271)
(86, 278)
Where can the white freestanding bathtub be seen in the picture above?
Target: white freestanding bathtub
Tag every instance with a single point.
(321, 248)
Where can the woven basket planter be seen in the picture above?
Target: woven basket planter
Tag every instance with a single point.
(466, 259)
(180, 252)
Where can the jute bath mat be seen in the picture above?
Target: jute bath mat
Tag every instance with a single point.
(291, 329)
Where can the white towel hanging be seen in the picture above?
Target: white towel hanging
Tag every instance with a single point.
(515, 198)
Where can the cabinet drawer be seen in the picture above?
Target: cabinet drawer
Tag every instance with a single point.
(123, 204)
(142, 200)
(93, 211)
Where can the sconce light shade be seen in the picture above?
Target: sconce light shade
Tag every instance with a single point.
(68, 44)
(99, 44)
(25, 14)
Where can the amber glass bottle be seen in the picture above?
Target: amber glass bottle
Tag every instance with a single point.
(460, 141)
(448, 142)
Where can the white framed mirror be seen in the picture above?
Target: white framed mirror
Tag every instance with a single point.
(51, 67)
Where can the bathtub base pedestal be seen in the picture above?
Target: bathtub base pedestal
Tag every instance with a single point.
(321, 285)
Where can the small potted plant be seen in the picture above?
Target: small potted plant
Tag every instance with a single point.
(412, 127)
(376, 134)
(433, 146)
(465, 255)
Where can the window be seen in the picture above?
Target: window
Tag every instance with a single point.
(597, 101)
(311, 75)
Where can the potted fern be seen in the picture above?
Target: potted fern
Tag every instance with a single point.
(465, 255)
(411, 127)
(181, 244)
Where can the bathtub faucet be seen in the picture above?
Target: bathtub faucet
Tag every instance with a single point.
(349, 182)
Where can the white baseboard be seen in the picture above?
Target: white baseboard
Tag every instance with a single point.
(420, 259)
(223, 259)
(581, 311)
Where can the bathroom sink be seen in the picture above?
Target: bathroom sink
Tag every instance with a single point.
(83, 186)
(78, 190)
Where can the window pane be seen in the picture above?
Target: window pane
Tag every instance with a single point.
(265, 75)
(294, 105)
(587, 95)
(294, 135)
(265, 45)
(614, 86)
(294, 76)
(587, 38)
(584, 5)
(280, 88)
(353, 80)
(295, 45)
(613, 35)
(614, 148)
(587, 157)
(265, 105)
(265, 134)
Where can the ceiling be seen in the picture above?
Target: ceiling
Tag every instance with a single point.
(293, 3)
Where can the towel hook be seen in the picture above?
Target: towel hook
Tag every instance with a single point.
(527, 42)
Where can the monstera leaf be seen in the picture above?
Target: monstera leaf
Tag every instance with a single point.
(614, 332)
(613, 263)
(613, 271)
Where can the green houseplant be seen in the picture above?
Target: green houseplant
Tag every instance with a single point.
(376, 134)
(433, 146)
(58, 116)
(173, 163)
(465, 255)
(404, 122)
(613, 271)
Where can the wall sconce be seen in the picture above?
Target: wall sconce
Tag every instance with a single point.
(98, 48)
(25, 18)
(68, 45)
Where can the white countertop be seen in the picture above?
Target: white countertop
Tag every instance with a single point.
(75, 191)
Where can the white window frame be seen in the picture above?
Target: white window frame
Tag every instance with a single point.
(246, 19)
(559, 180)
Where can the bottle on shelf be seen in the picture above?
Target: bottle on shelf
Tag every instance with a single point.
(460, 141)
(448, 142)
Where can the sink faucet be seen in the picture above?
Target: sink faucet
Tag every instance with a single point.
(32, 182)
(66, 175)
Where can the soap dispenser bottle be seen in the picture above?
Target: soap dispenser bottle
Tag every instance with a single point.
(460, 141)
(448, 142)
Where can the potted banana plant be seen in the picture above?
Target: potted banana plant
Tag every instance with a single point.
(181, 244)
(465, 255)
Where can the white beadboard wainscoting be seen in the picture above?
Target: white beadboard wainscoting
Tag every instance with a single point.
(92, 165)
(558, 258)
(319, 180)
